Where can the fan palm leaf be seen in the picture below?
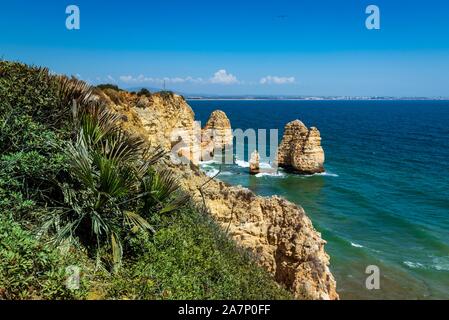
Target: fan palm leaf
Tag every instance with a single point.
(112, 180)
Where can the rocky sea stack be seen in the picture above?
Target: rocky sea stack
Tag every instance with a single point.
(216, 135)
(254, 163)
(300, 150)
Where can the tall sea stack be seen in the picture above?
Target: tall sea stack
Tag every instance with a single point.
(216, 135)
(300, 150)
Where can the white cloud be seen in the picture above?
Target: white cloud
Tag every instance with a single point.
(143, 79)
(222, 77)
(277, 80)
(126, 78)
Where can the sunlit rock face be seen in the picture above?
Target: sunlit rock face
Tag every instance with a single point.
(254, 163)
(216, 135)
(300, 150)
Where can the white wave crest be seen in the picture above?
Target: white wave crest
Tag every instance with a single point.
(270, 174)
(438, 263)
(245, 164)
(441, 263)
(264, 165)
(242, 163)
(414, 265)
(208, 162)
(323, 174)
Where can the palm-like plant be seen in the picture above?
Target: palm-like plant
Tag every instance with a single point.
(114, 186)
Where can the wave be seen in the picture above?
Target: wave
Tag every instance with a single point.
(245, 164)
(356, 245)
(209, 162)
(242, 163)
(264, 165)
(414, 265)
(438, 263)
(270, 174)
(323, 174)
(441, 263)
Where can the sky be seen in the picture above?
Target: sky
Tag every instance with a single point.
(297, 47)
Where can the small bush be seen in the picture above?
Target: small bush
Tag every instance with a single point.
(144, 92)
(109, 86)
(112, 187)
(114, 95)
(166, 94)
(29, 269)
(190, 257)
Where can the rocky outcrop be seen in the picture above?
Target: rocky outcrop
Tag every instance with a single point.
(300, 149)
(278, 233)
(254, 163)
(216, 135)
(165, 120)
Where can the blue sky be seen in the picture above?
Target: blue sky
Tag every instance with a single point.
(239, 47)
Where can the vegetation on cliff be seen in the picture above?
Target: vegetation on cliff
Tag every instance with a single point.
(76, 190)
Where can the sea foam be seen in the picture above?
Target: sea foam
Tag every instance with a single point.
(356, 245)
(270, 174)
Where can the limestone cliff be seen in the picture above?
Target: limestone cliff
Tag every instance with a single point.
(277, 232)
(164, 120)
(300, 149)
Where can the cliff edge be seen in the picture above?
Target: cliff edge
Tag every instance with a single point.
(277, 232)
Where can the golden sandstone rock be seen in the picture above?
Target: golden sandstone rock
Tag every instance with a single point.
(216, 135)
(300, 149)
(277, 232)
(254, 163)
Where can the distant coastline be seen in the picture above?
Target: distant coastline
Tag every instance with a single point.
(246, 97)
(236, 98)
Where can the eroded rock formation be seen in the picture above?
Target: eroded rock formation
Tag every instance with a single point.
(164, 120)
(277, 232)
(254, 163)
(216, 135)
(300, 149)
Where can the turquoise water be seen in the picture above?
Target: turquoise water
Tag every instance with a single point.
(384, 199)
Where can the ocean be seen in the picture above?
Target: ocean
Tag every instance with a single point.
(384, 199)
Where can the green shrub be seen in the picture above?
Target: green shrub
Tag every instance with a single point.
(30, 269)
(144, 92)
(109, 86)
(34, 92)
(113, 188)
(166, 94)
(190, 257)
(32, 128)
(114, 95)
